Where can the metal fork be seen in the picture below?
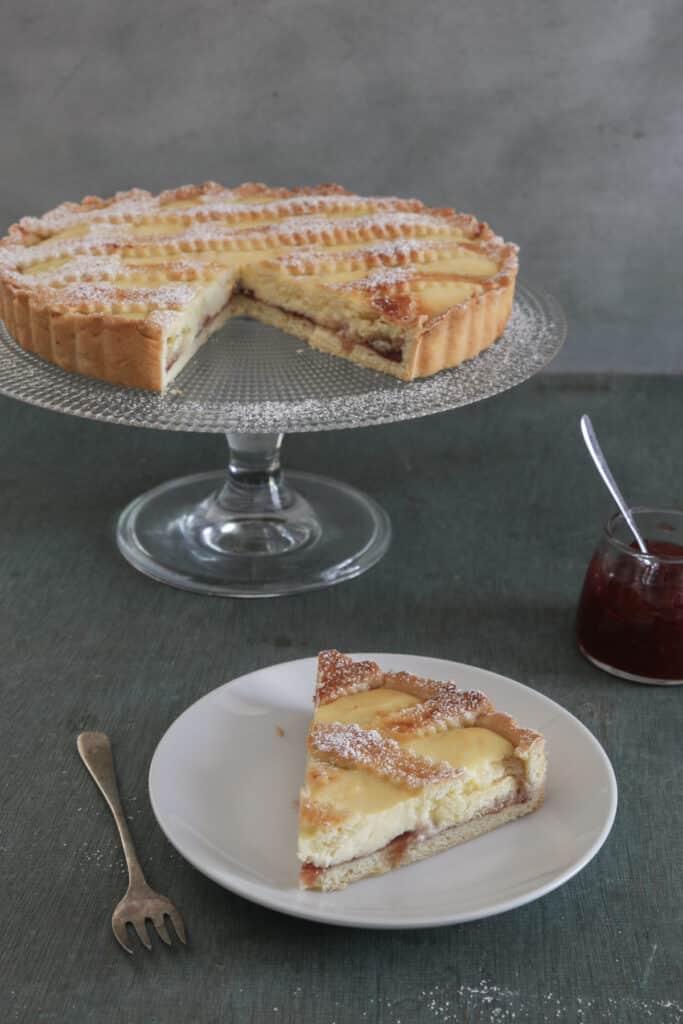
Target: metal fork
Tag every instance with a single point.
(140, 902)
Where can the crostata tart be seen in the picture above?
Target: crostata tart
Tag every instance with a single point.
(400, 768)
(127, 289)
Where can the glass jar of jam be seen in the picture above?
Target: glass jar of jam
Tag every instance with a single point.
(630, 617)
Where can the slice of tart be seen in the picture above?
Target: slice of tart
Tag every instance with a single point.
(400, 768)
(127, 289)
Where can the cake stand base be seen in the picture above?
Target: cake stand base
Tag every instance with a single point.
(253, 532)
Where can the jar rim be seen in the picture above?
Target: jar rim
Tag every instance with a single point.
(618, 518)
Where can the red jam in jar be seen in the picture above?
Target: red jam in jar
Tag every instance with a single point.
(630, 616)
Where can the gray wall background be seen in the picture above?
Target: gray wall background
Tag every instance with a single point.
(560, 122)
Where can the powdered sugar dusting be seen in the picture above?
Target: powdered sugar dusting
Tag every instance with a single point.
(198, 236)
(303, 206)
(338, 674)
(499, 1004)
(351, 746)
(221, 204)
(380, 280)
(391, 252)
(87, 267)
(132, 203)
(84, 267)
(395, 219)
(442, 704)
(83, 294)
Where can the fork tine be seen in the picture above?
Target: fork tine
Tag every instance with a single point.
(121, 935)
(160, 924)
(178, 924)
(141, 931)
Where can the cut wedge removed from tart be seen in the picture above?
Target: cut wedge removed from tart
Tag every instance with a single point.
(400, 768)
(127, 289)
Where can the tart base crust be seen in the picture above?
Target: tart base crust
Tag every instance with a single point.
(398, 853)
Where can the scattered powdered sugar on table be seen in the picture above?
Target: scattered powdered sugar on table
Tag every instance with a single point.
(484, 1002)
(500, 1005)
(487, 1003)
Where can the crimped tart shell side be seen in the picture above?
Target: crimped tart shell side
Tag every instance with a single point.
(462, 333)
(100, 345)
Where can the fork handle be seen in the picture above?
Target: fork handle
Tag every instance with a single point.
(96, 754)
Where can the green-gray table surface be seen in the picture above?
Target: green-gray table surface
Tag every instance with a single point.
(495, 509)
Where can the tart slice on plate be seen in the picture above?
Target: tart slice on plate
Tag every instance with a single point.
(400, 768)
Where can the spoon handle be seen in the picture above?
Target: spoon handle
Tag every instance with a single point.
(593, 446)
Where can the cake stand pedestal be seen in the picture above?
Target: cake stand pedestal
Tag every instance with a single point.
(253, 530)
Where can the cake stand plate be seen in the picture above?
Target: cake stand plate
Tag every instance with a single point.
(255, 531)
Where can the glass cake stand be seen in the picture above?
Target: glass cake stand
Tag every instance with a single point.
(253, 530)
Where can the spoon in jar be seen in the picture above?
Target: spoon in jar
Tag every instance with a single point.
(603, 469)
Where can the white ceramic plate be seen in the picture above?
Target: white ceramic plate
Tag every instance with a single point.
(224, 784)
